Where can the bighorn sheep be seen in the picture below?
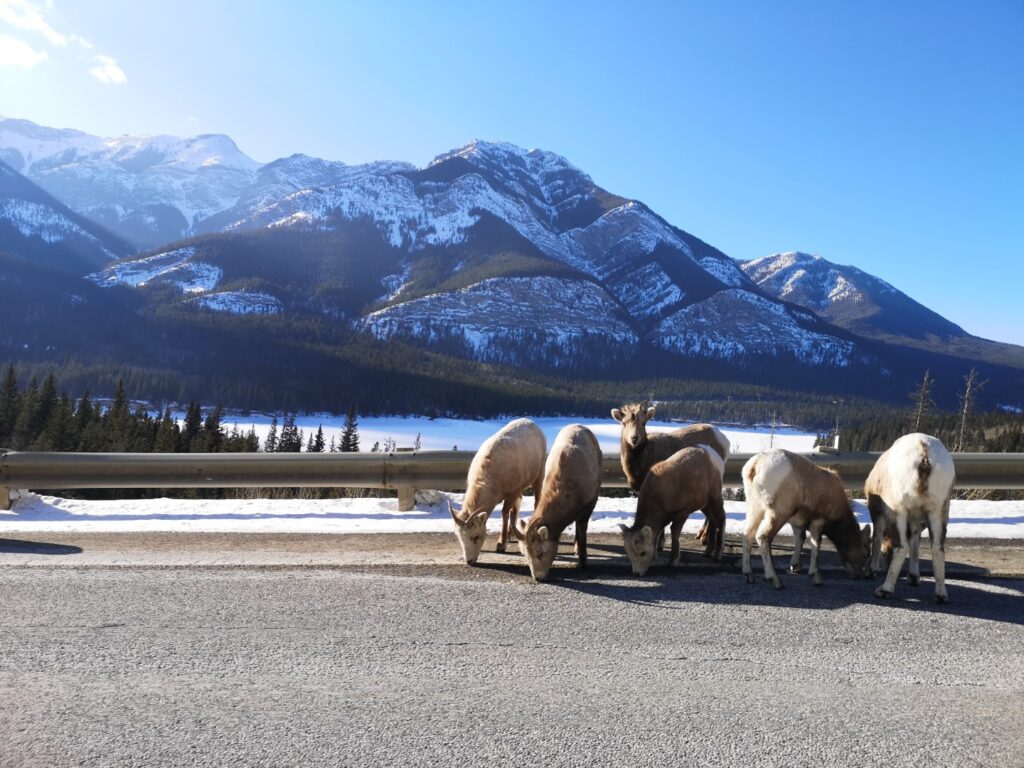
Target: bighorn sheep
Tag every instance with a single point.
(783, 487)
(639, 451)
(572, 483)
(686, 481)
(910, 487)
(509, 461)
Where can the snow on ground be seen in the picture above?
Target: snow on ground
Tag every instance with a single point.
(968, 519)
(467, 435)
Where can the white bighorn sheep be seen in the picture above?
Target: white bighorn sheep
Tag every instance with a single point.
(910, 487)
(572, 483)
(783, 487)
(686, 481)
(510, 461)
(639, 451)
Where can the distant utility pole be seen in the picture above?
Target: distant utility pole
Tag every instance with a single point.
(971, 389)
(775, 422)
(922, 398)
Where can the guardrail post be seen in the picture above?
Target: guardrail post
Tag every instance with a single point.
(5, 499)
(406, 498)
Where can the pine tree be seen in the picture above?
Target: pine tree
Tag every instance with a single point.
(191, 434)
(271, 445)
(316, 444)
(26, 425)
(922, 399)
(117, 422)
(350, 432)
(168, 435)
(8, 405)
(59, 434)
(213, 432)
(291, 437)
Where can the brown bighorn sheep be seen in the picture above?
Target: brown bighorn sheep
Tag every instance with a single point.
(639, 451)
(572, 483)
(510, 461)
(686, 481)
(910, 487)
(783, 487)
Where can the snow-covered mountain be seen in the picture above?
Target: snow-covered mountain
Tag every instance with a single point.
(147, 189)
(40, 229)
(490, 251)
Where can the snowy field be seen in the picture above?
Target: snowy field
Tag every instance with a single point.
(467, 435)
(968, 519)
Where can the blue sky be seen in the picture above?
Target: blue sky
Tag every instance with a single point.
(888, 135)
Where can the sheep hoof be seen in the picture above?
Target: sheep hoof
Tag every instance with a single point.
(816, 580)
(941, 598)
(913, 581)
(777, 583)
(500, 548)
(794, 569)
(750, 578)
(882, 593)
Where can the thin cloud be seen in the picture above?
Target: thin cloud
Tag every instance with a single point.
(30, 16)
(107, 71)
(18, 53)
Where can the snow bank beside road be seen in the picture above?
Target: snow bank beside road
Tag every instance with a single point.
(968, 519)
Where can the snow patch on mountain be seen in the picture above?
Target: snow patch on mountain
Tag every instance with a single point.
(239, 302)
(174, 266)
(736, 323)
(645, 292)
(43, 221)
(554, 315)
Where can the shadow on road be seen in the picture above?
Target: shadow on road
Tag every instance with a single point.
(20, 547)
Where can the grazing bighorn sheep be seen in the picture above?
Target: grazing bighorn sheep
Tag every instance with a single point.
(510, 461)
(686, 481)
(572, 483)
(910, 487)
(783, 487)
(639, 451)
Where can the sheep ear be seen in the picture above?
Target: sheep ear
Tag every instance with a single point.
(624, 528)
(484, 513)
(865, 534)
(647, 532)
(616, 414)
(650, 414)
(543, 533)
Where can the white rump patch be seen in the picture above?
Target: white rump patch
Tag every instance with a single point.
(715, 459)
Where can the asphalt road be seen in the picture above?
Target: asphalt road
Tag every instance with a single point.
(450, 665)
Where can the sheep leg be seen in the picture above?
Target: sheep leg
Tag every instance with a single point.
(754, 515)
(581, 537)
(714, 519)
(898, 558)
(914, 574)
(506, 509)
(799, 534)
(766, 533)
(677, 528)
(703, 533)
(816, 530)
(937, 525)
(880, 517)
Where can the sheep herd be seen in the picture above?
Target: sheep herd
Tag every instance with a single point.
(677, 473)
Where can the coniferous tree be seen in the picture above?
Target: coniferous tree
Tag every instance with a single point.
(291, 438)
(27, 425)
(213, 432)
(316, 444)
(168, 434)
(350, 432)
(271, 444)
(118, 424)
(59, 434)
(192, 432)
(8, 405)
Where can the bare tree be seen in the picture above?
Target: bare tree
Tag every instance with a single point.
(971, 389)
(922, 399)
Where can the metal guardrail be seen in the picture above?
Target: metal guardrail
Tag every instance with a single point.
(401, 471)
